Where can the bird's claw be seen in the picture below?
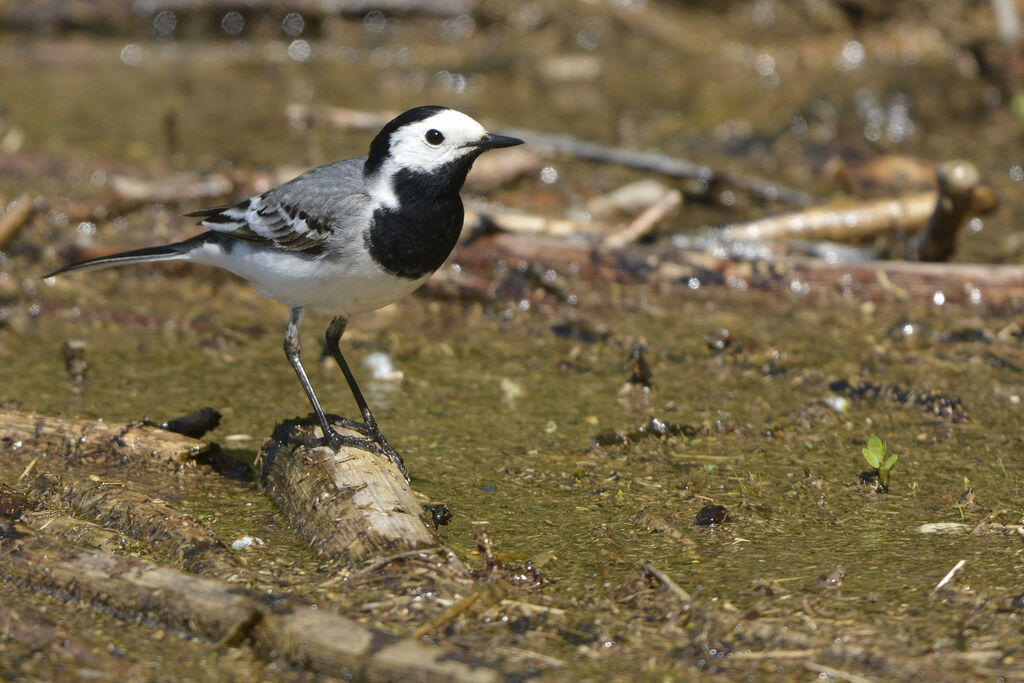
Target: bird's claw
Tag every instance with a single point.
(374, 442)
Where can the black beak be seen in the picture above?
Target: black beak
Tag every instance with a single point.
(492, 141)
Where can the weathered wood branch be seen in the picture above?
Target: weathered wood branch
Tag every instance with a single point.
(18, 213)
(315, 640)
(175, 534)
(937, 241)
(82, 532)
(351, 504)
(873, 280)
(74, 439)
(959, 195)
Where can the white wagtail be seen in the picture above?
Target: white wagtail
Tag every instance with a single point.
(347, 237)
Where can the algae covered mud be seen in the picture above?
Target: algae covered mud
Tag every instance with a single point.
(655, 480)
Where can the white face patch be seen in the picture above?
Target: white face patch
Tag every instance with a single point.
(433, 142)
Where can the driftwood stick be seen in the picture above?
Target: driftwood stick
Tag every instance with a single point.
(642, 225)
(873, 280)
(175, 534)
(662, 164)
(957, 180)
(959, 195)
(668, 583)
(16, 216)
(218, 611)
(74, 439)
(81, 532)
(837, 223)
(351, 504)
(481, 219)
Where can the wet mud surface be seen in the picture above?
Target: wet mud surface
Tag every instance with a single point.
(699, 513)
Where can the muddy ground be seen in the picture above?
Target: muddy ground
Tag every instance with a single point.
(520, 407)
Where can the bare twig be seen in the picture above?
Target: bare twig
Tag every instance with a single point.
(662, 164)
(950, 575)
(668, 583)
(17, 214)
(489, 595)
(643, 224)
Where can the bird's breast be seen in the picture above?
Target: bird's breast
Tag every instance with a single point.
(414, 239)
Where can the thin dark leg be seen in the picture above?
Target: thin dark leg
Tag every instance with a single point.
(291, 350)
(331, 437)
(334, 332)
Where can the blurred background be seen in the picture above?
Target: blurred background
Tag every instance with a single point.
(787, 91)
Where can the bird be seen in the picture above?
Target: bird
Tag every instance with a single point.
(344, 238)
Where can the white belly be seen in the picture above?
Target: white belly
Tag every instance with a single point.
(354, 285)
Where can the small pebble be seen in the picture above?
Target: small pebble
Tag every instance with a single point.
(245, 542)
(837, 403)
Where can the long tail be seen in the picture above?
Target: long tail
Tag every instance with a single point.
(167, 252)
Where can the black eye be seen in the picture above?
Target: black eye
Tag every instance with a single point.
(435, 137)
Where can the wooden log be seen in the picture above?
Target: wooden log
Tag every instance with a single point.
(178, 536)
(81, 532)
(873, 280)
(140, 591)
(351, 504)
(118, 441)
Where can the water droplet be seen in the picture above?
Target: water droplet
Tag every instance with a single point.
(293, 24)
(232, 23)
(299, 50)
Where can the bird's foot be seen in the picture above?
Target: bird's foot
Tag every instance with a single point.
(374, 442)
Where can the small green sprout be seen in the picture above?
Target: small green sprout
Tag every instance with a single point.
(875, 455)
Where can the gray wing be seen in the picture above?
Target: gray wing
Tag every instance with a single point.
(308, 213)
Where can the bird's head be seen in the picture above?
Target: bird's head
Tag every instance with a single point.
(431, 140)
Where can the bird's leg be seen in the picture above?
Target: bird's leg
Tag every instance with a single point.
(369, 425)
(291, 350)
(331, 437)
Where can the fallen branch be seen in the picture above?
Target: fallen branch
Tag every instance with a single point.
(75, 439)
(642, 225)
(662, 164)
(17, 214)
(872, 280)
(81, 532)
(959, 188)
(351, 504)
(835, 223)
(221, 612)
(177, 535)
(957, 183)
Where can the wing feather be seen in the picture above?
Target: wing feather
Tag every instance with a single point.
(311, 213)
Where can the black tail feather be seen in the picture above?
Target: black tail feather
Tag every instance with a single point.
(166, 252)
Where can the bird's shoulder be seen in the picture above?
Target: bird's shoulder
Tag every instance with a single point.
(309, 213)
